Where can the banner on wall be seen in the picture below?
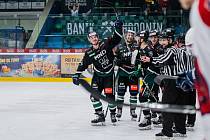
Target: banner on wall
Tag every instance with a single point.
(105, 27)
(71, 32)
(30, 66)
(69, 63)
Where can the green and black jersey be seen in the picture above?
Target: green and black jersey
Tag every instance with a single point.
(126, 58)
(101, 58)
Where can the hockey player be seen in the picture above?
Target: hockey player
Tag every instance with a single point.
(153, 37)
(157, 50)
(188, 60)
(171, 65)
(149, 91)
(200, 21)
(180, 41)
(126, 61)
(170, 33)
(101, 56)
(144, 47)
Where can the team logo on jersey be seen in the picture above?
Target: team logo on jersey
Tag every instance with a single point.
(104, 61)
(126, 54)
(98, 56)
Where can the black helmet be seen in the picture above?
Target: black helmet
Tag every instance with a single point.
(170, 32)
(144, 34)
(181, 38)
(163, 34)
(153, 33)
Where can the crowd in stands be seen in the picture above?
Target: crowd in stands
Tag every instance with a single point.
(147, 7)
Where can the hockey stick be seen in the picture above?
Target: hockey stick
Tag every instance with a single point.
(140, 112)
(151, 93)
(116, 14)
(184, 109)
(107, 108)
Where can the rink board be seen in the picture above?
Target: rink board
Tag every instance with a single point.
(23, 79)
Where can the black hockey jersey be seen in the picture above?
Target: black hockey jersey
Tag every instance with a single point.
(147, 51)
(101, 58)
(126, 55)
(156, 51)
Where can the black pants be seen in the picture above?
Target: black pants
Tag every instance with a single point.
(149, 92)
(105, 84)
(123, 83)
(173, 95)
(191, 100)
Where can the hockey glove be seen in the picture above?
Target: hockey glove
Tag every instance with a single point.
(75, 78)
(185, 81)
(118, 24)
(135, 75)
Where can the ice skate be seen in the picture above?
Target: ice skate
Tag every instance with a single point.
(189, 127)
(145, 124)
(119, 113)
(158, 122)
(99, 120)
(133, 115)
(113, 118)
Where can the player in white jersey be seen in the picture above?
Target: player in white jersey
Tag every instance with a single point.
(200, 22)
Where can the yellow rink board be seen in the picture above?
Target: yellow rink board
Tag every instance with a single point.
(24, 79)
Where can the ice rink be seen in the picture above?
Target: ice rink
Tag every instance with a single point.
(62, 111)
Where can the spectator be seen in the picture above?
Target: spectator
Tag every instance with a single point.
(74, 10)
(163, 5)
(147, 10)
(155, 8)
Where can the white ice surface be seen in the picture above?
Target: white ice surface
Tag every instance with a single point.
(62, 111)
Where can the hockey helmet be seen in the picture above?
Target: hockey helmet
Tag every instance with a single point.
(170, 32)
(92, 33)
(144, 34)
(163, 34)
(153, 33)
(181, 38)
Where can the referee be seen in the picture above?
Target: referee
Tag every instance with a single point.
(171, 64)
(188, 60)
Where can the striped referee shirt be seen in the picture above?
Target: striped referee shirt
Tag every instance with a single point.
(171, 61)
(188, 58)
